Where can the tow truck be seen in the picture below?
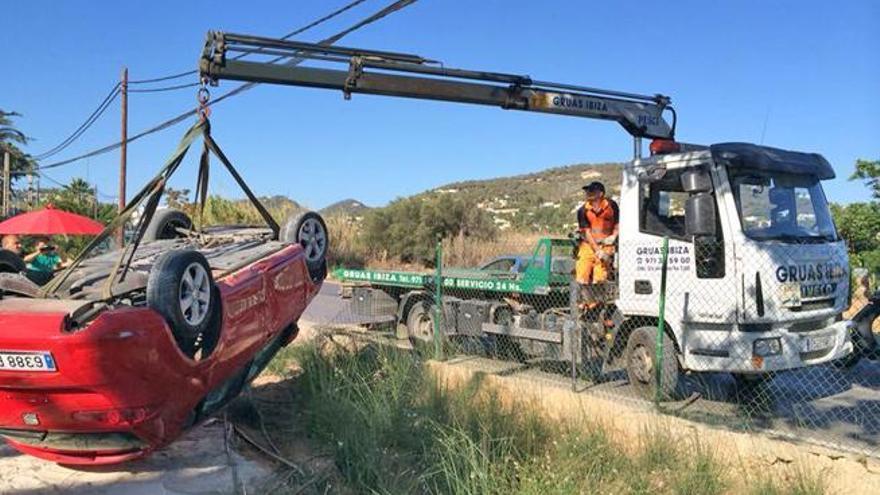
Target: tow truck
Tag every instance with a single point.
(758, 277)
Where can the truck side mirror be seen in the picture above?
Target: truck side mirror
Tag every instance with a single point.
(699, 215)
(696, 181)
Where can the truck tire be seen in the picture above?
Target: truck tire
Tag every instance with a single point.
(11, 262)
(309, 230)
(181, 289)
(165, 223)
(506, 347)
(420, 323)
(640, 357)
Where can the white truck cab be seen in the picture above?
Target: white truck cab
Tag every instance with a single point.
(757, 277)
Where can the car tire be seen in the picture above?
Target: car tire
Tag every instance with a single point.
(11, 262)
(309, 231)
(181, 289)
(640, 370)
(165, 223)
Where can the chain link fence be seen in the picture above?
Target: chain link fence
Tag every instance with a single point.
(757, 340)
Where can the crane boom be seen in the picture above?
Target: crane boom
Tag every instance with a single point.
(411, 76)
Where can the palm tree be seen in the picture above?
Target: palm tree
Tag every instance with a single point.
(8, 133)
(10, 137)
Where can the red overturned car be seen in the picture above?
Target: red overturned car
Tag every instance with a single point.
(122, 352)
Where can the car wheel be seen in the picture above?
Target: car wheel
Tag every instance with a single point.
(165, 223)
(181, 289)
(420, 323)
(309, 230)
(640, 364)
(11, 262)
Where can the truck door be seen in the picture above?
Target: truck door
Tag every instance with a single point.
(700, 286)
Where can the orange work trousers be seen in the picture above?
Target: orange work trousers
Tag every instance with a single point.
(589, 268)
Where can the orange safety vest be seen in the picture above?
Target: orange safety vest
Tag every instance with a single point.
(599, 222)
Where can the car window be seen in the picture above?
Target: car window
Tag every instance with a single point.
(562, 266)
(502, 265)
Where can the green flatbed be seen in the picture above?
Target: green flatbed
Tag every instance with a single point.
(547, 272)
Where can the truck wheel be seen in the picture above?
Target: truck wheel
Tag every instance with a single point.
(11, 262)
(640, 365)
(165, 223)
(420, 323)
(181, 289)
(506, 347)
(309, 230)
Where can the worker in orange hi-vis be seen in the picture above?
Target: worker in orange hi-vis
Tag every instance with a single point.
(599, 223)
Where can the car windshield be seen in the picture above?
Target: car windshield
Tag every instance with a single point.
(784, 207)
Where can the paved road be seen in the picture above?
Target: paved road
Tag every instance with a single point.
(839, 407)
(329, 309)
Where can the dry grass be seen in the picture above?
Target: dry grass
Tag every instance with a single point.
(466, 252)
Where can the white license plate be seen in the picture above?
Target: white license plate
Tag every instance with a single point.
(789, 294)
(27, 361)
(817, 343)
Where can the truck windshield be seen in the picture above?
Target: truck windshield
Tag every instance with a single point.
(783, 207)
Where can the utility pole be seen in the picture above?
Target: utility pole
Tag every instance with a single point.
(7, 163)
(30, 191)
(123, 150)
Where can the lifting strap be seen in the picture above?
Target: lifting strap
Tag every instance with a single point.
(151, 194)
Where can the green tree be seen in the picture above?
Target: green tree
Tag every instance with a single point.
(859, 223)
(868, 171)
(408, 228)
(78, 197)
(10, 138)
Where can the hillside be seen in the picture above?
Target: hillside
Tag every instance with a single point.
(345, 208)
(542, 201)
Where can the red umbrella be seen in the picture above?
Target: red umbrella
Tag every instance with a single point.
(50, 221)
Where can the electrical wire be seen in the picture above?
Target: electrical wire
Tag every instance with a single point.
(114, 92)
(117, 88)
(322, 20)
(166, 88)
(50, 179)
(390, 9)
(165, 78)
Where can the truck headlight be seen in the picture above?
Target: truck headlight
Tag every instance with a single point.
(767, 347)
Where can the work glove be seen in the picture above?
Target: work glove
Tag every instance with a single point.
(610, 240)
(603, 256)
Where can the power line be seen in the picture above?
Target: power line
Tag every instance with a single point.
(116, 88)
(50, 179)
(165, 78)
(326, 18)
(166, 88)
(84, 126)
(390, 9)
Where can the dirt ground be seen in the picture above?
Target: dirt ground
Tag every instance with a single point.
(195, 464)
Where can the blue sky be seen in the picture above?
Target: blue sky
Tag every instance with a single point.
(810, 69)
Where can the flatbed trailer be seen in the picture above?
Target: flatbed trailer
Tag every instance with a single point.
(522, 312)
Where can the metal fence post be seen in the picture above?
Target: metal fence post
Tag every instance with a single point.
(661, 322)
(438, 300)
